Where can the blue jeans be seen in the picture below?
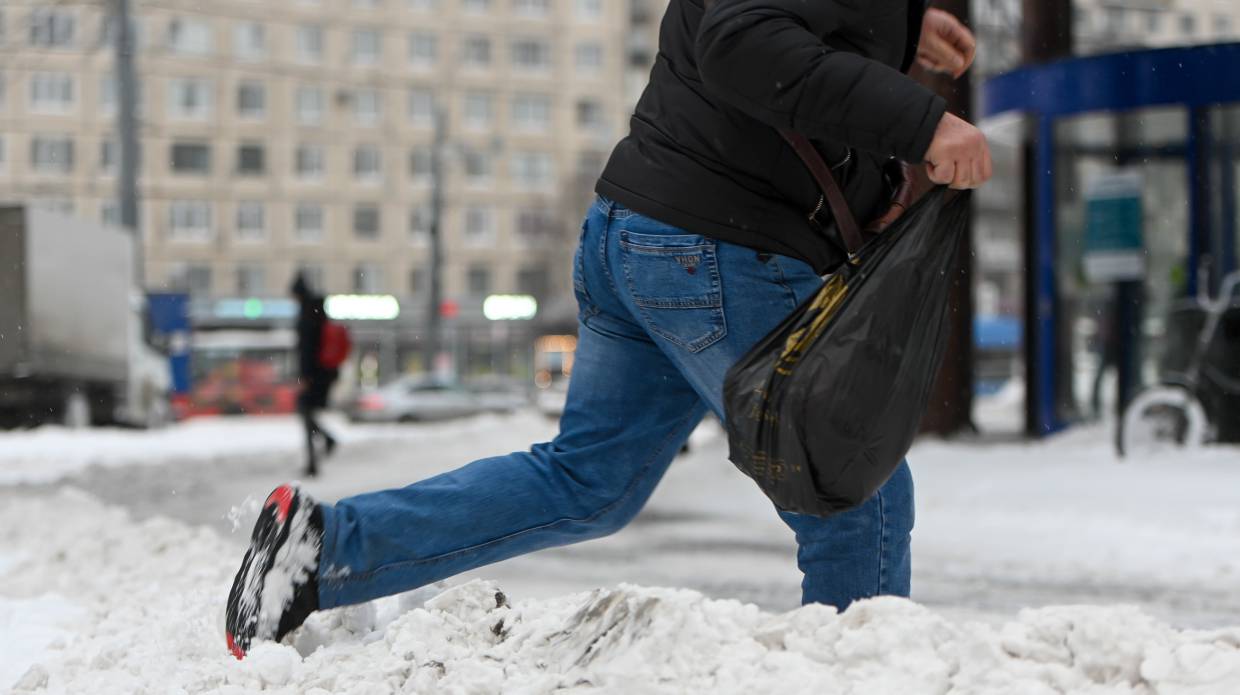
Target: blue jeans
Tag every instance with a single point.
(663, 314)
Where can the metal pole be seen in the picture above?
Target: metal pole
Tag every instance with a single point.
(1046, 36)
(127, 132)
(434, 322)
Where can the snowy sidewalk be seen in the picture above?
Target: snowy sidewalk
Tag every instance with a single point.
(146, 599)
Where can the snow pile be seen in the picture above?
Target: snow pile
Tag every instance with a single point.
(50, 453)
(148, 618)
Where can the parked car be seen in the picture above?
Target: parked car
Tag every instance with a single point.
(499, 394)
(552, 398)
(414, 399)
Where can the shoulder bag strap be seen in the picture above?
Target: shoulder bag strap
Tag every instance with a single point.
(844, 220)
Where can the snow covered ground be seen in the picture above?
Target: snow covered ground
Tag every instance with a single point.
(121, 589)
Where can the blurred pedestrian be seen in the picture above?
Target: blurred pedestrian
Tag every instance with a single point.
(698, 245)
(315, 378)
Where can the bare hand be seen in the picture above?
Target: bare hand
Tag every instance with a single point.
(946, 45)
(958, 155)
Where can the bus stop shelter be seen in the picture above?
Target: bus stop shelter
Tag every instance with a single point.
(1131, 180)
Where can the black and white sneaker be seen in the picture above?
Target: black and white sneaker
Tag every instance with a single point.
(276, 589)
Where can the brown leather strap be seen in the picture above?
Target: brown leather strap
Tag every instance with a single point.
(850, 233)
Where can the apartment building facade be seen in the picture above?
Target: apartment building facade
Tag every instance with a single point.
(297, 136)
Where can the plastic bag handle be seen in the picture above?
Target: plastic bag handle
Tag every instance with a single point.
(850, 233)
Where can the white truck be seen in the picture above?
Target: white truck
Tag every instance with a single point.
(72, 338)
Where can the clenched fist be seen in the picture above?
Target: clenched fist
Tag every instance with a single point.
(958, 155)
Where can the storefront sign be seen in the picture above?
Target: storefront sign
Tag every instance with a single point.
(1114, 245)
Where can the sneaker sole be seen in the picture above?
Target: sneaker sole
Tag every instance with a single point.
(271, 531)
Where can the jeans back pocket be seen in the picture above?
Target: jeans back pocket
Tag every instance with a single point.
(674, 281)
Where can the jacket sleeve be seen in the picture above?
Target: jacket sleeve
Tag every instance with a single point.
(765, 58)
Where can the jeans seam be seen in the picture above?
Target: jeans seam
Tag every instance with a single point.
(338, 582)
(882, 545)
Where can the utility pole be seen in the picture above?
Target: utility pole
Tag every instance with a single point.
(434, 321)
(951, 398)
(127, 132)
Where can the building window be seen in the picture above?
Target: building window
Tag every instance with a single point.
(312, 274)
(191, 158)
(477, 167)
(588, 58)
(108, 30)
(193, 278)
(420, 226)
(311, 104)
(251, 100)
(531, 55)
(309, 43)
(189, 99)
(250, 41)
(110, 213)
(251, 280)
(418, 282)
(251, 159)
(1222, 25)
(421, 107)
(189, 36)
(1153, 21)
(422, 5)
(476, 6)
(308, 223)
(51, 154)
(310, 162)
(366, 221)
(532, 8)
(107, 96)
(532, 281)
(589, 10)
(478, 280)
(531, 112)
(532, 170)
(367, 163)
(251, 221)
(367, 278)
(535, 227)
(367, 106)
(367, 46)
(1188, 24)
(51, 92)
(479, 110)
(420, 165)
(479, 226)
(189, 220)
(422, 50)
(1114, 17)
(109, 156)
(366, 4)
(476, 51)
(51, 28)
(590, 115)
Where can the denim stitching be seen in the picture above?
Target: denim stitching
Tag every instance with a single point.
(709, 251)
(782, 280)
(337, 583)
(882, 545)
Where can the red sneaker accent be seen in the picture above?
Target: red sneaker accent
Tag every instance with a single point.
(282, 497)
(232, 647)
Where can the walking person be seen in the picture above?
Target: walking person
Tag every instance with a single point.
(316, 379)
(698, 245)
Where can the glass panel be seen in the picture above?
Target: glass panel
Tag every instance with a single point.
(1091, 150)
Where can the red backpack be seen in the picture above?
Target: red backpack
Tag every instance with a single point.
(334, 345)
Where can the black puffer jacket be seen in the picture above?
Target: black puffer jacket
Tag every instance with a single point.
(703, 153)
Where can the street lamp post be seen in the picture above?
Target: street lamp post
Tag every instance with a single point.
(434, 320)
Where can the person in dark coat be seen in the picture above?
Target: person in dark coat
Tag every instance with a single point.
(316, 380)
(699, 244)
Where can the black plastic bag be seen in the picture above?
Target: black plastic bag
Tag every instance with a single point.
(821, 411)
